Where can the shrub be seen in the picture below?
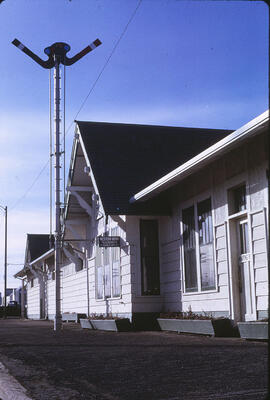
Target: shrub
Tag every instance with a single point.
(187, 315)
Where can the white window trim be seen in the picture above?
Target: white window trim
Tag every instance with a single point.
(231, 184)
(194, 202)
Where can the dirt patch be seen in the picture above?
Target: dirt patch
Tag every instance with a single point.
(94, 365)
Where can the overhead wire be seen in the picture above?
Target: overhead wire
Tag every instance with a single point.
(80, 108)
(109, 58)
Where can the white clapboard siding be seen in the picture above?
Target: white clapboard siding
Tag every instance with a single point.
(170, 276)
(171, 287)
(262, 303)
(223, 279)
(33, 302)
(262, 288)
(126, 279)
(260, 260)
(204, 297)
(259, 252)
(51, 298)
(221, 256)
(205, 306)
(261, 275)
(74, 292)
(222, 267)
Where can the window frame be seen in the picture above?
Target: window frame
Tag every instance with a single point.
(231, 199)
(194, 203)
(110, 250)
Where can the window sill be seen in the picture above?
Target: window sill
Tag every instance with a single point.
(238, 215)
(109, 299)
(201, 292)
(152, 296)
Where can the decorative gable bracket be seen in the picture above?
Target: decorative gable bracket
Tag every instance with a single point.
(74, 190)
(70, 254)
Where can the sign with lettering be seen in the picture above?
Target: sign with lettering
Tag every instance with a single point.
(108, 241)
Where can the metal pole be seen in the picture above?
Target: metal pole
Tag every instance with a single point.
(22, 300)
(57, 155)
(5, 277)
(57, 54)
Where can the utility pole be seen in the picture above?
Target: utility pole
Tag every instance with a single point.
(5, 264)
(5, 286)
(56, 55)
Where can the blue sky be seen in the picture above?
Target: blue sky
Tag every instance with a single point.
(182, 63)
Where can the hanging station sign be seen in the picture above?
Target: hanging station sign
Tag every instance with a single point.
(108, 241)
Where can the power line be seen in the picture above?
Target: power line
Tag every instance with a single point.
(15, 264)
(85, 100)
(109, 58)
(30, 187)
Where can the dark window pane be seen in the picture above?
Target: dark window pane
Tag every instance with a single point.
(115, 251)
(116, 288)
(99, 288)
(206, 245)
(239, 197)
(107, 280)
(244, 242)
(99, 274)
(189, 249)
(150, 275)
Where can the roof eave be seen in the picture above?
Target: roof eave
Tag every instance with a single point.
(43, 256)
(20, 274)
(246, 131)
(91, 174)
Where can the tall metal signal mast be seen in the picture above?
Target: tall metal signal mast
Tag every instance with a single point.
(56, 55)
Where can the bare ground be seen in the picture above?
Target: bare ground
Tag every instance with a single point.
(95, 365)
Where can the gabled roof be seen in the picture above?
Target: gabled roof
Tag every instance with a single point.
(125, 158)
(37, 245)
(253, 127)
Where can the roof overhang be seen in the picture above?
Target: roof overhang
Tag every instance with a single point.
(48, 253)
(21, 274)
(248, 130)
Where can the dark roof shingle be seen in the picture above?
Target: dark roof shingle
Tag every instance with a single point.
(125, 158)
(38, 244)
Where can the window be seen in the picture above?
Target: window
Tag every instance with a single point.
(199, 266)
(206, 245)
(99, 274)
(79, 265)
(150, 274)
(189, 249)
(115, 254)
(237, 199)
(108, 270)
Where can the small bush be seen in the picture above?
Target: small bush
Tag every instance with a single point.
(187, 315)
(103, 317)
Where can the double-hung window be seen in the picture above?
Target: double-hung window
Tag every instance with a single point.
(108, 283)
(198, 247)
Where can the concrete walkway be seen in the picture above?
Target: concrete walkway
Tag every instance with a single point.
(10, 388)
(84, 364)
